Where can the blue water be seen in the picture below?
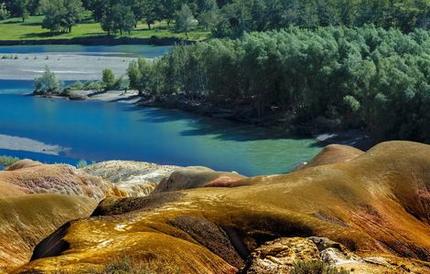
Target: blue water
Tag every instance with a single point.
(97, 131)
(131, 50)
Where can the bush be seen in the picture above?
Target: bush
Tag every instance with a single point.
(108, 79)
(4, 13)
(8, 160)
(47, 83)
(81, 164)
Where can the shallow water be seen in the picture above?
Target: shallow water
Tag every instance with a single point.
(97, 131)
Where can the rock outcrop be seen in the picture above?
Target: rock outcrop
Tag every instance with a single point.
(285, 255)
(333, 154)
(61, 179)
(131, 178)
(373, 208)
(195, 177)
(23, 164)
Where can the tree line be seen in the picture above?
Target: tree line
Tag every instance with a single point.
(335, 77)
(225, 18)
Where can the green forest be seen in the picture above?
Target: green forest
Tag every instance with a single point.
(329, 77)
(223, 17)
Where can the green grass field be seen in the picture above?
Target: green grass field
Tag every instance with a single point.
(15, 29)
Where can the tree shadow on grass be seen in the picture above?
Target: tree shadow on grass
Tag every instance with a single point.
(11, 22)
(31, 24)
(46, 34)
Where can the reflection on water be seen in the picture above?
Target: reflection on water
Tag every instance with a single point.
(102, 131)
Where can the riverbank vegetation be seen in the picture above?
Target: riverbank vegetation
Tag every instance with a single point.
(326, 78)
(7, 160)
(49, 85)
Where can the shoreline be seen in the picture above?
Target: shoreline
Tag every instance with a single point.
(100, 41)
(352, 137)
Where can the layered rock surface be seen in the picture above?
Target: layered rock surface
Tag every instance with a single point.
(35, 200)
(333, 154)
(374, 207)
(131, 178)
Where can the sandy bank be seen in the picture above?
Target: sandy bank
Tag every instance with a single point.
(26, 144)
(120, 96)
(67, 67)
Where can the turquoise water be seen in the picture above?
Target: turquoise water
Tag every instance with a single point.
(97, 131)
(131, 50)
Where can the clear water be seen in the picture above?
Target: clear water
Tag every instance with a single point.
(97, 131)
(130, 50)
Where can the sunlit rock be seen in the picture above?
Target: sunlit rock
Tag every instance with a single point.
(129, 177)
(372, 206)
(194, 177)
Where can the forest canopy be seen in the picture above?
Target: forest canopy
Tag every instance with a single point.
(353, 77)
(230, 18)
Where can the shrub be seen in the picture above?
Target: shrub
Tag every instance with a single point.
(47, 83)
(108, 79)
(81, 164)
(8, 160)
(4, 13)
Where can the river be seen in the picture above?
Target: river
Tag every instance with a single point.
(97, 131)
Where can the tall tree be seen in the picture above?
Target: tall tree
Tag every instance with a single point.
(61, 15)
(118, 18)
(185, 20)
(18, 8)
(139, 74)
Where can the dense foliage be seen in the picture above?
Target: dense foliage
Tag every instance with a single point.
(351, 77)
(232, 18)
(61, 15)
(261, 15)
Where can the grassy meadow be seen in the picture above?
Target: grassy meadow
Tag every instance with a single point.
(31, 29)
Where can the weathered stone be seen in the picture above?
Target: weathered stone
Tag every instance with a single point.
(279, 256)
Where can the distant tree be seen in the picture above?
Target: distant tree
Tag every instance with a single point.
(139, 74)
(47, 83)
(209, 15)
(151, 11)
(118, 18)
(4, 12)
(96, 7)
(168, 9)
(18, 8)
(61, 15)
(33, 7)
(185, 20)
(108, 79)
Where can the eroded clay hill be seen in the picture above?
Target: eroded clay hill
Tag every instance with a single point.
(35, 200)
(370, 213)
